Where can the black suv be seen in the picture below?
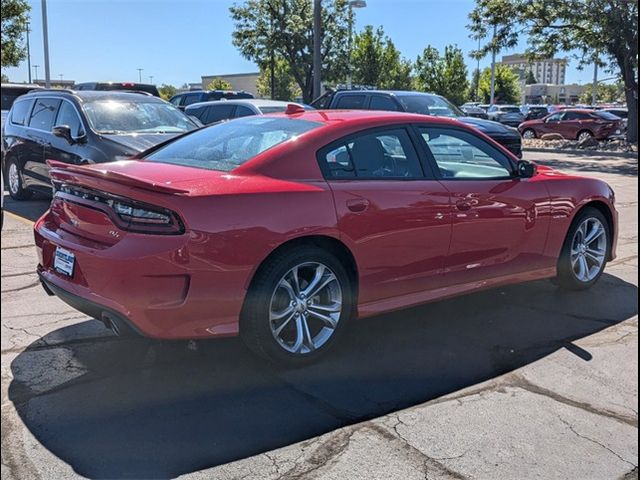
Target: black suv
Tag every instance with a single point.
(118, 86)
(81, 127)
(182, 100)
(418, 102)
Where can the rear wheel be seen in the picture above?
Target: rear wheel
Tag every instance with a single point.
(14, 179)
(584, 135)
(529, 134)
(585, 251)
(297, 307)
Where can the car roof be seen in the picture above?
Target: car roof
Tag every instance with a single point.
(93, 95)
(256, 102)
(340, 117)
(578, 110)
(398, 93)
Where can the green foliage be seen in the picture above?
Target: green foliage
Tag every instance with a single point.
(592, 30)
(444, 75)
(285, 86)
(531, 78)
(15, 15)
(605, 93)
(285, 28)
(167, 91)
(474, 92)
(507, 85)
(5, 79)
(219, 84)
(376, 61)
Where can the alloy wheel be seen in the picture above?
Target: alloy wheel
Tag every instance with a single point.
(14, 179)
(584, 136)
(305, 308)
(529, 134)
(589, 250)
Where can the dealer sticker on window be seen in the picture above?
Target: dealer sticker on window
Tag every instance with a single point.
(64, 261)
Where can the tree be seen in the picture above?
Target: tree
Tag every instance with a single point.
(219, 84)
(507, 85)
(593, 30)
(376, 61)
(474, 88)
(167, 91)
(531, 78)
(5, 79)
(15, 15)
(285, 86)
(605, 92)
(284, 28)
(444, 75)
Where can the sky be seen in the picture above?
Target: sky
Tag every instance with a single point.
(178, 41)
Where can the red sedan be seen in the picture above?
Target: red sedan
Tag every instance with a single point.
(284, 228)
(574, 124)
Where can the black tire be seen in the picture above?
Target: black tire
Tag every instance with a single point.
(255, 330)
(17, 192)
(566, 278)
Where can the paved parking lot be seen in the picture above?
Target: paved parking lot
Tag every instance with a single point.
(515, 383)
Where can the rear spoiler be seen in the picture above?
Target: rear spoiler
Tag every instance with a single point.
(64, 171)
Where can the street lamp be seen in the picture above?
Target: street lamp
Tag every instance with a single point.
(151, 79)
(352, 4)
(35, 67)
(140, 73)
(28, 52)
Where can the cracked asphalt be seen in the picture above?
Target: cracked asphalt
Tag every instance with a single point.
(514, 383)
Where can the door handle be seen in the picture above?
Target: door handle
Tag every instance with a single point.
(359, 205)
(463, 205)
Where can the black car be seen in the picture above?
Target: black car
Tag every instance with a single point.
(81, 127)
(534, 112)
(474, 111)
(418, 102)
(118, 87)
(182, 100)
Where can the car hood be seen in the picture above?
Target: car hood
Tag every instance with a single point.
(140, 142)
(489, 127)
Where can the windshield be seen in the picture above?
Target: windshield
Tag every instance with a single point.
(429, 105)
(123, 117)
(228, 145)
(607, 116)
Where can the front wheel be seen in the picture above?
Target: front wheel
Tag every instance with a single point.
(297, 306)
(585, 251)
(14, 177)
(584, 135)
(529, 134)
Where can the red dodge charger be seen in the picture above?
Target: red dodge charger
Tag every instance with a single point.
(284, 228)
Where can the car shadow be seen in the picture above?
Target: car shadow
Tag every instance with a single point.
(29, 209)
(116, 408)
(594, 163)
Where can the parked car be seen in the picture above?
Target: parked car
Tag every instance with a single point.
(620, 112)
(533, 112)
(283, 228)
(474, 111)
(217, 111)
(81, 127)
(11, 91)
(418, 102)
(506, 114)
(183, 100)
(574, 124)
(118, 86)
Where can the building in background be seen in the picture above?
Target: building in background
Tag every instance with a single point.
(239, 81)
(550, 71)
(545, 93)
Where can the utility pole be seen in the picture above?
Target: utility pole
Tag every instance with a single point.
(28, 52)
(140, 74)
(35, 67)
(594, 87)
(45, 39)
(493, 67)
(61, 75)
(151, 79)
(317, 43)
(478, 71)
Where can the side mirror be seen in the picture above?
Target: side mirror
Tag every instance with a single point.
(526, 169)
(63, 131)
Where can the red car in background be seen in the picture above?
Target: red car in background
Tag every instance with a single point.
(283, 228)
(574, 124)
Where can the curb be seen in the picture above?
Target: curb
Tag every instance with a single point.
(587, 153)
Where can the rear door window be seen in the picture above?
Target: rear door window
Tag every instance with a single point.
(20, 112)
(379, 102)
(191, 98)
(44, 113)
(242, 111)
(220, 112)
(351, 102)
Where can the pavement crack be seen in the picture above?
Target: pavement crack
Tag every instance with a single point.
(19, 289)
(594, 441)
(19, 274)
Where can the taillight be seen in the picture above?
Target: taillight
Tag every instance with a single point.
(126, 213)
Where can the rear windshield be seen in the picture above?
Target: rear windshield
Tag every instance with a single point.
(510, 109)
(134, 87)
(606, 115)
(228, 145)
(429, 105)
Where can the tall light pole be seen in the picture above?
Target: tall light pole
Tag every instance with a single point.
(45, 40)
(61, 75)
(594, 87)
(140, 74)
(493, 67)
(28, 51)
(352, 4)
(151, 79)
(478, 73)
(317, 43)
(35, 67)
